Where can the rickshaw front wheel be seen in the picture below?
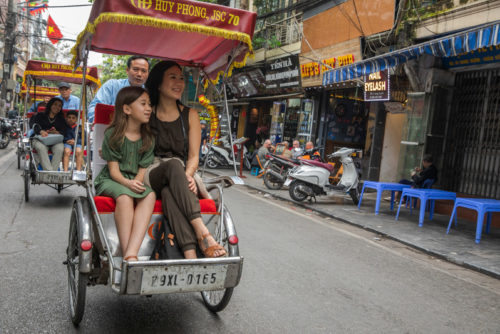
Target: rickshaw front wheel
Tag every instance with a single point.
(217, 300)
(77, 282)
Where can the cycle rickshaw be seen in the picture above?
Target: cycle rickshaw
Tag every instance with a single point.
(38, 70)
(212, 38)
(37, 94)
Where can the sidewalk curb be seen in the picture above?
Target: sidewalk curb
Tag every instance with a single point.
(343, 220)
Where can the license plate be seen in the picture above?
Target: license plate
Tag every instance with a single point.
(287, 182)
(183, 278)
(57, 177)
(26, 140)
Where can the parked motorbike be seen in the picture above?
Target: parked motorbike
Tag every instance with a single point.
(15, 128)
(221, 156)
(277, 169)
(312, 177)
(4, 133)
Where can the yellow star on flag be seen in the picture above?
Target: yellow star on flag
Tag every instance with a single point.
(51, 30)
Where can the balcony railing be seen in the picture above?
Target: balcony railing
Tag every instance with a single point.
(281, 33)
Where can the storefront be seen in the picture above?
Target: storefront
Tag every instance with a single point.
(453, 114)
(341, 115)
(273, 96)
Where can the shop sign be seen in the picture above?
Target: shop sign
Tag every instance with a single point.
(313, 69)
(477, 57)
(282, 75)
(377, 86)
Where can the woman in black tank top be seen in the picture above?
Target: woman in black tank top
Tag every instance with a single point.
(177, 133)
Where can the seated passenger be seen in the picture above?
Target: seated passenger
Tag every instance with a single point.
(69, 141)
(177, 133)
(51, 121)
(128, 149)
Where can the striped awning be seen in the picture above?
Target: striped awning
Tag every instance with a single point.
(448, 46)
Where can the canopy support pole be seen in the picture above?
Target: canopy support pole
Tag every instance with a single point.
(83, 97)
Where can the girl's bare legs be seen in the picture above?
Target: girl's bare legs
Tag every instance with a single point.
(141, 219)
(200, 230)
(124, 216)
(79, 158)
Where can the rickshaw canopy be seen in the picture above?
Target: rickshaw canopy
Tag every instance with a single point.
(38, 69)
(41, 91)
(192, 33)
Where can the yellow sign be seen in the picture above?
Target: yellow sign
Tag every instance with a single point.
(314, 69)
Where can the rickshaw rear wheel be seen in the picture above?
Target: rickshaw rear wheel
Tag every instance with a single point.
(27, 180)
(59, 188)
(18, 159)
(217, 300)
(77, 282)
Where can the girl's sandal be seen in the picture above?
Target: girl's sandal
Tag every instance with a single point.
(131, 257)
(210, 251)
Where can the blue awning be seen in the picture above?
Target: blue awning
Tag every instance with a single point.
(448, 46)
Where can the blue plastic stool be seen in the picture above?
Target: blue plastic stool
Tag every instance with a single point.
(482, 206)
(255, 171)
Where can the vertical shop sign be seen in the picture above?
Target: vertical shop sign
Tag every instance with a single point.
(283, 75)
(377, 86)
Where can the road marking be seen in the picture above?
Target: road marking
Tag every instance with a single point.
(480, 280)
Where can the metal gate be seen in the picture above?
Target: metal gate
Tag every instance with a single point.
(472, 151)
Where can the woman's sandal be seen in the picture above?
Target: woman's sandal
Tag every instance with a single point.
(210, 251)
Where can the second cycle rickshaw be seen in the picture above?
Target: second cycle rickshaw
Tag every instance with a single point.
(36, 70)
(213, 39)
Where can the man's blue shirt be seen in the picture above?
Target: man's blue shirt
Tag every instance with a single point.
(73, 102)
(107, 95)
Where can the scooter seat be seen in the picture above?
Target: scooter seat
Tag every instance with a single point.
(319, 164)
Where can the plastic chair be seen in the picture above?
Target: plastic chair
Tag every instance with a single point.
(255, 171)
(262, 169)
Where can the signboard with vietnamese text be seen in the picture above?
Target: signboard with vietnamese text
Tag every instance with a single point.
(283, 75)
(478, 57)
(377, 86)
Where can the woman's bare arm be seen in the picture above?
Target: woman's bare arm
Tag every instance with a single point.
(194, 142)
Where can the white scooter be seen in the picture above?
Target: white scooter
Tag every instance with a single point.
(311, 178)
(221, 156)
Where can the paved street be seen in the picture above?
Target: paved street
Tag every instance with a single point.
(302, 274)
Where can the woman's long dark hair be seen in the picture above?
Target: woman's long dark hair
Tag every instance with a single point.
(49, 105)
(127, 96)
(155, 79)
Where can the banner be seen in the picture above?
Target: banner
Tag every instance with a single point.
(60, 72)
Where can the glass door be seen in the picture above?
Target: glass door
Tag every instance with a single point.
(413, 136)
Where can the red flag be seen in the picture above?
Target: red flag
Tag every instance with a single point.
(53, 32)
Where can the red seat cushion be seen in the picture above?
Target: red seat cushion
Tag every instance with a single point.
(107, 205)
(103, 113)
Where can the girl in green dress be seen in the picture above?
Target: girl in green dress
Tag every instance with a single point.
(128, 148)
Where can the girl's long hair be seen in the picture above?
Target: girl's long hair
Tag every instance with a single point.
(118, 126)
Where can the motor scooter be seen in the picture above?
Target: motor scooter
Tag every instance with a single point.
(277, 167)
(5, 128)
(221, 156)
(311, 178)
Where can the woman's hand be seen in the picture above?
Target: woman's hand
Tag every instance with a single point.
(136, 186)
(44, 133)
(192, 184)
